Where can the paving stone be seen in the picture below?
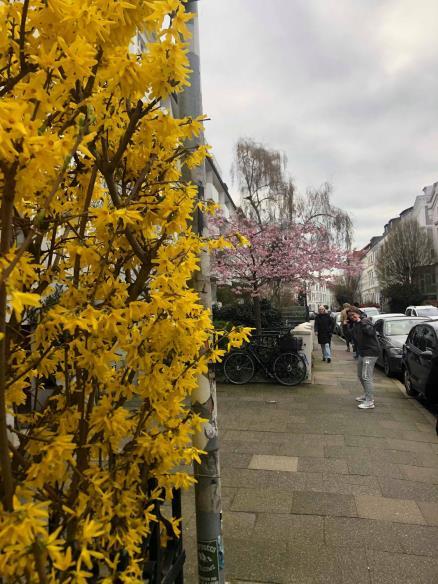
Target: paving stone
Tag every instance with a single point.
(351, 484)
(409, 445)
(386, 509)
(404, 489)
(389, 568)
(352, 532)
(429, 511)
(250, 478)
(235, 459)
(423, 459)
(278, 463)
(365, 466)
(253, 436)
(312, 449)
(294, 528)
(253, 560)
(332, 504)
(393, 456)
(348, 452)
(236, 523)
(250, 447)
(419, 473)
(262, 500)
(419, 540)
(366, 441)
(429, 436)
(314, 464)
(311, 564)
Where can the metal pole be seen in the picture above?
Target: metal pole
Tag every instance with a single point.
(208, 486)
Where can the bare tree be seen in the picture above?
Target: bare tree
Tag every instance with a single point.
(406, 248)
(260, 174)
(316, 207)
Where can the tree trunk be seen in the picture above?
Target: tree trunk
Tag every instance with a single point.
(258, 314)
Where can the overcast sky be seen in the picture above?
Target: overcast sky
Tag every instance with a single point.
(348, 89)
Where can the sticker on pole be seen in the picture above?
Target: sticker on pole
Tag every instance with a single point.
(208, 562)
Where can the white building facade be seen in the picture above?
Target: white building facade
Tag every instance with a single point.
(369, 286)
(320, 293)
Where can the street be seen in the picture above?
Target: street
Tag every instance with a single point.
(316, 491)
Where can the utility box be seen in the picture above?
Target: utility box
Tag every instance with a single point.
(305, 331)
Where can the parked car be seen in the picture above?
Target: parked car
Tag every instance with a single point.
(338, 326)
(370, 310)
(420, 361)
(426, 310)
(375, 317)
(391, 334)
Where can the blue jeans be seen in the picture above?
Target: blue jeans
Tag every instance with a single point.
(326, 351)
(365, 372)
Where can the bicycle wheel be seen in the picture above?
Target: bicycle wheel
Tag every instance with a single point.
(289, 369)
(239, 367)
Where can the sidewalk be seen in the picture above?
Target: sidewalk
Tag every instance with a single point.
(317, 491)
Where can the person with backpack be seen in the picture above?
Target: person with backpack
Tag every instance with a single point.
(324, 326)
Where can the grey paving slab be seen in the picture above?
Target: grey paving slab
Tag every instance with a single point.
(236, 523)
(389, 568)
(394, 456)
(348, 452)
(352, 532)
(314, 464)
(292, 527)
(364, 466)
(250, 478)
(386, 509)
(419, 473)
(312, 564)
(404, 489)
(409, 446)
(253, 560)
(424, 436)
(235, 459)
(351, 484)
(419, 540)
(262, 500)
(429, 511)
(331, 504)
(426, 460)
(366, 441)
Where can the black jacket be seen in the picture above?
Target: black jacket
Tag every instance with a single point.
(365, 338)
(324, 326)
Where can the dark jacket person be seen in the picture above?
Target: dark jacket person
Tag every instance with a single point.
(324, 326)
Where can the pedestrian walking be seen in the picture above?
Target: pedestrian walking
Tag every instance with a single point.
(345, 325)
(367, 347)
(324, 326)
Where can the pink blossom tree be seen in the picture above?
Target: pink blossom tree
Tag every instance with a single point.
(296, 253)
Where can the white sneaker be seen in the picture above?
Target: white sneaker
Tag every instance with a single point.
(366, 405)
(361, 398)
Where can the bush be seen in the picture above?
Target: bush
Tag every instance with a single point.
(399, 296)
(243, 314)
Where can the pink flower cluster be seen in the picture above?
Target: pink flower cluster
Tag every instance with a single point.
(296, 253)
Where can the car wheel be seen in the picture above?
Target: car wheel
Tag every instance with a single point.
(408, 384)
(387, 366)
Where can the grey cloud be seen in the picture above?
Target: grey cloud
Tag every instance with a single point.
(314, 79)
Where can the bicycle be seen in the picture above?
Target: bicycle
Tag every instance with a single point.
(279, 358)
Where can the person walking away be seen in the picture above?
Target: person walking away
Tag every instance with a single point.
(324, 329)
(344, 324)
(367, 347)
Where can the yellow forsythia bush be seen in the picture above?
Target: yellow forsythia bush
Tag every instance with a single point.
(101, 336)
